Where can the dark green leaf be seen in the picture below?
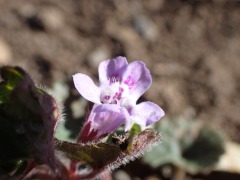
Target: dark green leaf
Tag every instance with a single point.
(27, 119)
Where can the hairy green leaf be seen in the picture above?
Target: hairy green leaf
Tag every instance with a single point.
(27, 119)
(107, 156)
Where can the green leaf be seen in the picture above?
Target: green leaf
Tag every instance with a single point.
(186, 144)
(104, 156)
(205, 150)
(11, 76)
(136, 129)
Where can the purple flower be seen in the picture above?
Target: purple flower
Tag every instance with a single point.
(121, 84)
(102, 120)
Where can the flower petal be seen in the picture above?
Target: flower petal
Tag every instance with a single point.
(138, 79)
(146, 113)
(86, 87)
(128, 124)
(111, 69)
(106, 118)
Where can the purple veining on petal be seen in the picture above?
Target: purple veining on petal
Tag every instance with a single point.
(110, 69)
(116, 67)
(114, 78)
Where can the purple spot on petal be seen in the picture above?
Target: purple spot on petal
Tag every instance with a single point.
(121, 89)
(129, 81)
(106, 97)
(115, 95)
(118, 95)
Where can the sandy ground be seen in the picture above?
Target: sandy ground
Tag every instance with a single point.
(191, 47)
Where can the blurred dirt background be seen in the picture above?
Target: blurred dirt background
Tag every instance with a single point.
(192, 48)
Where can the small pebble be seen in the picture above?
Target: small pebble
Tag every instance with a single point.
(78, 108)
(97, 56)
(121, 175)
(60, 91)
(5, 52)
(146, 28)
